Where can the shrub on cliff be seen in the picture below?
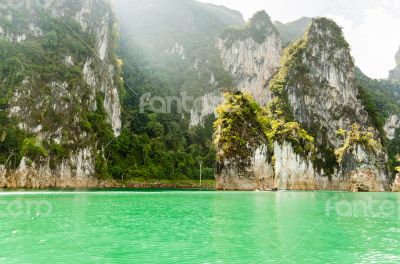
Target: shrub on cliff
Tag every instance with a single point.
(238, 130)
(32, 149)
(242, 126)
(356, 137)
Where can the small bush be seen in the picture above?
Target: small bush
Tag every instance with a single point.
(31, 148)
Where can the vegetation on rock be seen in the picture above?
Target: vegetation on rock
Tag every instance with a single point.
(242, 126)
(46, 102)
(291, 64)
(39, 62)
(238, 130)
(32, 148)
(325, 30)
(356, 137)
(166, 57)
(155, 60)
(380, 99)
(258, 28)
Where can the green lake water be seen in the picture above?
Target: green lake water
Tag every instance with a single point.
(199, 227)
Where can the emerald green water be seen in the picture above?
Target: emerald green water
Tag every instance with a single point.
(199, 227)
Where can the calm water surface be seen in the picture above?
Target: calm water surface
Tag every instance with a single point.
(199, 227)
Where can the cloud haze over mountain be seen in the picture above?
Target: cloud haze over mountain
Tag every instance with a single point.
(369, 26)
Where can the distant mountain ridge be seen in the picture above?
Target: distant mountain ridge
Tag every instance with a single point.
(292, 30)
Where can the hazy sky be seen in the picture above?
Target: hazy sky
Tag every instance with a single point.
(372, 27)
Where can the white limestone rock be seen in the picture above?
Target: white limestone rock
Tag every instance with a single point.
(252, 64)
(391, 124)
(204, 106)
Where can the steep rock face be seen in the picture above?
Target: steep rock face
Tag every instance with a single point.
(54, 108)
(3, 176)
(317, 77)
(253, 154)
(395, 73)
(251, 55)
(362, 170)
(292, 171)
(287, 171)
(204, 106)
(257, 174)
(381, 99)
(396, 184)
(96, 18)
(243, 159)
(74, 172)
(176, 40)
(391, 124)
(324, 96)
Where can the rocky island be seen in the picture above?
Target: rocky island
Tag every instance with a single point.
(273, 105)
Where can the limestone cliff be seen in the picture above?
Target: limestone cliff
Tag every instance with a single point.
(241, 144)
(314, 87)
(396, 184)
(175, 39)
(391, 125)
(321, 89)
(66, 81)
(251, 55)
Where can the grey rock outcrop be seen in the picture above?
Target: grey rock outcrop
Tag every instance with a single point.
(251, 55)
(53, 112)
(391, 125)
(323, 97)
(396, 184)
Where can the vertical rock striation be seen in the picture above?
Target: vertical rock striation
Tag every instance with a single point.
(318, 85)
(251, 55)
(391, 125)
(396, 184)
(54, 109)
(321, 89)
(323, 96)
